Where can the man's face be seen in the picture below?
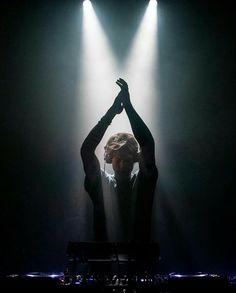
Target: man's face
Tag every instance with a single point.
(122, 163)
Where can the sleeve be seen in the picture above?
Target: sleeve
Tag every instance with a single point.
(90, 161)
(93, 180)
(147, 163)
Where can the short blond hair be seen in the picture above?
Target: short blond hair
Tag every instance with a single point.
(118, 141)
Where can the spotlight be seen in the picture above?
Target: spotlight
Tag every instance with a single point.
(153, 3)
(86, 3)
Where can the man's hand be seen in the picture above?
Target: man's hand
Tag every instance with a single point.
(124, 93)
(122, 98)
(122, 84)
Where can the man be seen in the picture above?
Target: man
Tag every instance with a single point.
(122, 201)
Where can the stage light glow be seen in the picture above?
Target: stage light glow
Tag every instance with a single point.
(141, 65)
(98, 73)
(87, 4)
(153, 3)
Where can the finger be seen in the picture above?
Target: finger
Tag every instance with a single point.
(123, 82)
(119, 83)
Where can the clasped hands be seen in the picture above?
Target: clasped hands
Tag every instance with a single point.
(123, 98)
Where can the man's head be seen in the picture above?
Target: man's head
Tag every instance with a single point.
(122, 151)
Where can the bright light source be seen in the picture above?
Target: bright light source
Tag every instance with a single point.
(87, 4)
(153, 3)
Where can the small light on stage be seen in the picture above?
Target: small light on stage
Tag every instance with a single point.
(153, 3)
(87, 4)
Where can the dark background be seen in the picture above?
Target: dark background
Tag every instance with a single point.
(194, 215)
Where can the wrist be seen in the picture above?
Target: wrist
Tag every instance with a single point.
(127, 104)
(111, 112)
(107, 118)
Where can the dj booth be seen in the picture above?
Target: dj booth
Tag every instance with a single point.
(117, 267)
(131, 267)
(111, 259)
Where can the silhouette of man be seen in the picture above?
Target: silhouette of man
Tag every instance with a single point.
(122, 202)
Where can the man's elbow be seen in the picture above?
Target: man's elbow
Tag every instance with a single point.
(86, 151)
